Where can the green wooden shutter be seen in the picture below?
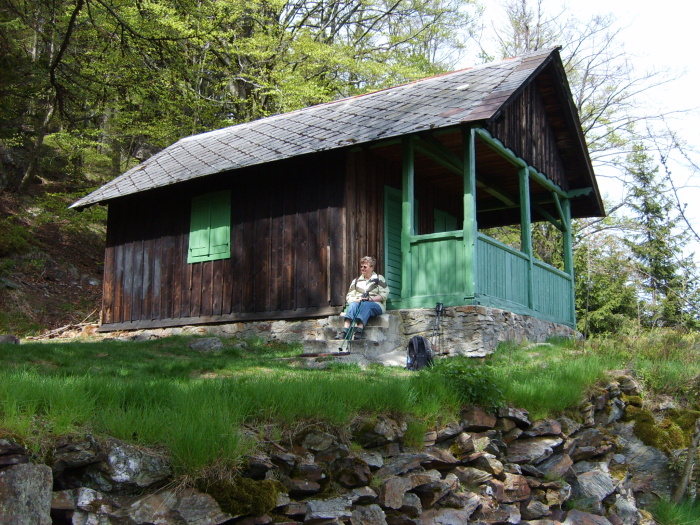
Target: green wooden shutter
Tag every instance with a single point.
(199, 229)
(220, 229)
(210, 227)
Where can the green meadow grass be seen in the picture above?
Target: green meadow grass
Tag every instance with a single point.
(548, 379)
(666, 361)
(201, 406)
(162, 393)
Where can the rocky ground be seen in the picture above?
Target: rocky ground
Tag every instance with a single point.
(487, 468)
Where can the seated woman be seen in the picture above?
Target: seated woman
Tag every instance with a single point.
(366, 298)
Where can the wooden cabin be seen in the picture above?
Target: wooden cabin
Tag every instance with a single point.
(267, 220)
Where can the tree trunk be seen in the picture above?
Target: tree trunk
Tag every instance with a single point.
(36, 148)
(688, 468)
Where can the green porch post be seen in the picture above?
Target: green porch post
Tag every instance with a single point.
(408, 154)
(470, 227)
(569, 253)
(526, 232)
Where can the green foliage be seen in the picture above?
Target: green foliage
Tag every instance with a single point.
(14, 321)
(657, 246)
(53, 208)
(14, 237)
(546, 379)
(665, 435)
(130, 79)
(684, 513)
(665, 360)
(605, 291)
(415, 433)
(243, 496)
(475, 383)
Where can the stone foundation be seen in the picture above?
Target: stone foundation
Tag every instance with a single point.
(473, 331)
(476, 331)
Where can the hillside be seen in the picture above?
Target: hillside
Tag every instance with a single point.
(50, 261)
(249, 432)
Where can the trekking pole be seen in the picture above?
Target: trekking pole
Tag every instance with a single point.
(351, 331)
(439, 310)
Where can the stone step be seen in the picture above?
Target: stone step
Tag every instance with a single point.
(371, 350)
(381, 336)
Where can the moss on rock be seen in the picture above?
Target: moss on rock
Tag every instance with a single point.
(665, 435)
(635, 401)
(243, 496)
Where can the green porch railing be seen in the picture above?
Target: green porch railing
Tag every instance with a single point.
(438, 273)
(553, 292)
(501, 272)
(502, 275)
(438, 264)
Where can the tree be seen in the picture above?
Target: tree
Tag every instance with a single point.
(605, 285)
(657, 246)
(604, 82)
(120, 80)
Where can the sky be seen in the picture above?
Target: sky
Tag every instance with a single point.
(657, 36)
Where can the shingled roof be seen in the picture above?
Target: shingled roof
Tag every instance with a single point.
(468, 95)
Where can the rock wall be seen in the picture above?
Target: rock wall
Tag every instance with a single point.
(485, 468)
(473, 331)
(476, 331)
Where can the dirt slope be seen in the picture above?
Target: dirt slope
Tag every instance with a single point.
(55, 277)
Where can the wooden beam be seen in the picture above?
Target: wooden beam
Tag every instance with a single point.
(526, 232)
(227, 318)
(384, 143)
(557, 202)
(501, 195)
(557, 224)
(580, 192)
(469, 202)
(542, 180)
(569, 255)
(496, 205)
(436, 150)
(511, 157)
(407, 226)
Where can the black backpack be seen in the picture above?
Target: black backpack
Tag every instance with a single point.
(419, 353)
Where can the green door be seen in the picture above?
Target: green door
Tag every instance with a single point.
(392, 241)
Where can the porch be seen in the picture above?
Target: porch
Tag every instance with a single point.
(461, 265)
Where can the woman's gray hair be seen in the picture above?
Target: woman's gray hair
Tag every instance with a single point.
(369, 260)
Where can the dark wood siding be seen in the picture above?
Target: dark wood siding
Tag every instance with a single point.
(525, 128)
(288, 249)
(367, 173)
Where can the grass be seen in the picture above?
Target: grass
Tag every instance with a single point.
(665, 361)
(162, 393)
(548, 379)
(685, 513)
(201, 406)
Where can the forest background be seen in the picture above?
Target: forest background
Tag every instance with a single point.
(90, 88)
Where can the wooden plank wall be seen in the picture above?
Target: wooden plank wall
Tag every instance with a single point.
(525, 129)
(430, 197)
(288, 250)
(367, 174)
